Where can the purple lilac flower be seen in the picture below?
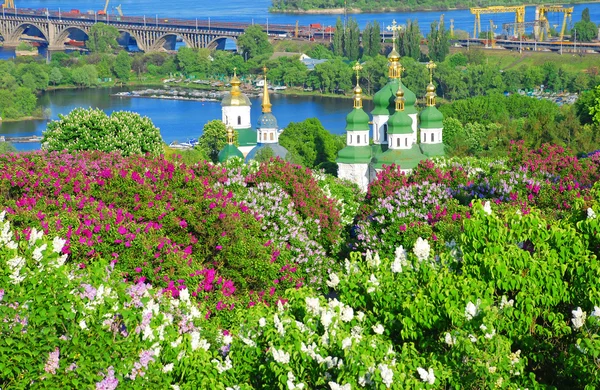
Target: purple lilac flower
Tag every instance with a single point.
(1, 294)
(52, 362)
(109, 382)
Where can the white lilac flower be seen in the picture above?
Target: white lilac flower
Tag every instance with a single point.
(590, 213)
(326, 318)
(472, 338)
(280, 356)
(449, 339)
(262, 322)
(427, 376)
(227, 339)
(487, 208)
(347, 314)
(360, 316)
(195, 340)
(38, 252)
(347, 343)
(515, 357)
(184, 295)
(595, 313)
(471, 310)
(506, 303)
(333, 281)
(373, 261)
(58, 244)
(387, 375)
(335, 386)
(579, 317)
(290, 382)
(177, 342)
(400, 260)
(34, 236)
(278, 325)
(223, 366)
(378, 329)
(83, 325)
(313, 305)
(491, 334)
(373, 282)
(167, 368)
(421, 249)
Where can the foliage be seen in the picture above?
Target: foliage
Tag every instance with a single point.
(409, 40)
(85, 76)
(438, 41)
(102, 38)
(214, 139)
(254, 44)
(585, 30)
(24, 46)
(7, 147)
(17, 103)
(123, 65)
(371, 39)
(91, 129)
(312, 143)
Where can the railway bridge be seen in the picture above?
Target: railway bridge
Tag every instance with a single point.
(150, 34)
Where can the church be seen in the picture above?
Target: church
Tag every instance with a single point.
(236, 116)
(400, 135)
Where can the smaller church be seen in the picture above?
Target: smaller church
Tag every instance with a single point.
(399, 135)
(236, 116)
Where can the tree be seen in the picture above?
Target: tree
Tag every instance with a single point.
(352, 41)
(254, 43)
(585, 30)
(319, 51)
(375, 40)
(310, 142)
(7, 147)
(55, 76)
(264, 154)
(85, 76)
(438, 41)
(594, 108)
(214, 139)
(103, 38)
(122, 66)
(366, 40)
(409, 40)
(91, 129)
(338, 38)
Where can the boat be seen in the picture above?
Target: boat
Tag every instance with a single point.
(184, 145)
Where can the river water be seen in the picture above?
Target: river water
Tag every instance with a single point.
(180, 119)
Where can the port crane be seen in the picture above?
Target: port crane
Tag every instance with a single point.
(541, 12)
(519, 11)
(9, 4)
(103, 11)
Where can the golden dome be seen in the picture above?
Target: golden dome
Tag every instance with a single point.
(394, 56)
(400, 98)
(430, 87)
(357, 90)
(235, 97)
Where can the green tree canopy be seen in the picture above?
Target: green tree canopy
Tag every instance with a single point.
(91, 129)
(409, 41)
(585, 30)
(123, 65)
(103, 38)
(254, 43)
(438, 41)
(214, 139)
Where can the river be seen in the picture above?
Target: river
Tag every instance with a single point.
(180, 119)
(256, 10)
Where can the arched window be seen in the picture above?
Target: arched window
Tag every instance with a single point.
(398, 141)
(385, 135)
(406, 141)
(271, 136)
(239, 120)
(358, 139)
(350, 143)
(431, 137)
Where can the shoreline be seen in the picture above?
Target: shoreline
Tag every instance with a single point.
(341, 11)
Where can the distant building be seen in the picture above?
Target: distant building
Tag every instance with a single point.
(235, 109)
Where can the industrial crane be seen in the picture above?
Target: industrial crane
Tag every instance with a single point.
(103, 11)
(119, 10)
(519, 11)
(9, 4)
(540, 14)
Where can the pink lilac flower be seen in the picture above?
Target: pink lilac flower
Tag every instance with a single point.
(52, 362)
(1, 294)
(109, 382)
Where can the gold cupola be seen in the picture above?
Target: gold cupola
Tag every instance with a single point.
(400, 100)
(235, 97)
(266, 103)
(430, 95)
(394, 57)
(357, 89)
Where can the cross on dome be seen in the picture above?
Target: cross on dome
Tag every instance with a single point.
(431, 66)
(357, 68)
(394, 28)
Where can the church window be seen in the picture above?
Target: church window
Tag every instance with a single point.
(358, 139)
(239, 120)
(271, 136)
(350, 143)
(398, 141)
(385, 133)
(406, 141)
(432, 137)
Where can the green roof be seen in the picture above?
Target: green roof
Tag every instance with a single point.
(385, 99)
(228, 152)
(404, 158)
(431, 118)
(246, 137)
(354, 155)
(400, 123)
(357, 120)
(433, 150)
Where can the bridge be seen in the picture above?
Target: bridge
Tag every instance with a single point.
(152, 34)
(512, 44)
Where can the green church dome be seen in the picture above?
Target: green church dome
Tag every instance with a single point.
(355, 155)
(228, 152)
(384, 99)
(400, 123)
(357, 119)
(431, 118)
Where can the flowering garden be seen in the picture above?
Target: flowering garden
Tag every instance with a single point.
(141, 272)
